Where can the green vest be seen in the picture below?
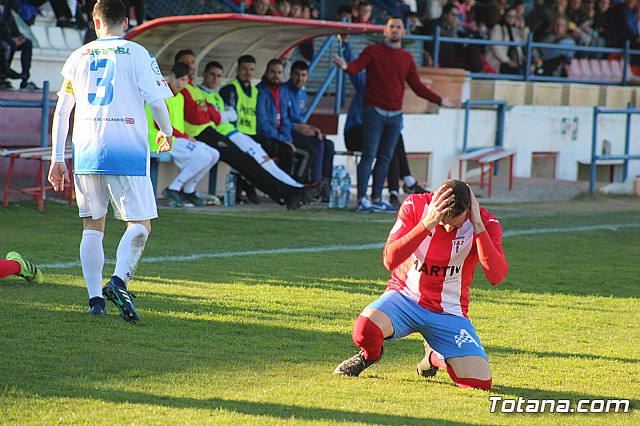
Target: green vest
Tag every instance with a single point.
(216, 100)
(176, 112)
(246, 109)
(198, 96)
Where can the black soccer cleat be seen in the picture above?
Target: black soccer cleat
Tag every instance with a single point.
(97, 307)
(117, 293)
(425, 369)
(353, 366)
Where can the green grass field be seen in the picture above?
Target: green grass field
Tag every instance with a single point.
(246, 314)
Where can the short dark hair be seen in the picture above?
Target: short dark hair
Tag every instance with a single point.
(180, 70)
(182, 53)
(299, 66)
(363, 3)
(111, 11)
(448, 8)
(213, 64)
(246, 59)
(462, 195)
(393, 17)
(274, 62)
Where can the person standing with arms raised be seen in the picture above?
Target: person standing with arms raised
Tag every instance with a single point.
(388, 67)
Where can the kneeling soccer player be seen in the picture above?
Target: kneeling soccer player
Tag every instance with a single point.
(433, 250)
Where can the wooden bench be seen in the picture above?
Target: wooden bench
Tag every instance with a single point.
(488, 156)
(38, 191)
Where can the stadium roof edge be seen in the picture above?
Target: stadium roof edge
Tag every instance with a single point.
(225, 37)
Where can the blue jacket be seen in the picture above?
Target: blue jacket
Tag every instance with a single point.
(354, 115)
(267, 115)
(299, 99)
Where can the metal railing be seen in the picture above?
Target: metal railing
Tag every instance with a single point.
(500, 119)
(528, 48)
(629, 111)
(45, 104)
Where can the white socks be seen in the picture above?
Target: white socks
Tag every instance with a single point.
(129, 251)
(92, 260)
(409, 180)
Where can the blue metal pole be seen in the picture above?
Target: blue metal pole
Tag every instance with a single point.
(500, 124)
(627, 141)
(527, 63)
(465, 132)
(594, 138)
(44, 122)
(338, 98)
(625, 62)
(436, 47)
(323, 88)
(314, 62)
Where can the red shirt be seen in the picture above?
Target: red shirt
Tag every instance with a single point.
(435, 268)
(387, 71)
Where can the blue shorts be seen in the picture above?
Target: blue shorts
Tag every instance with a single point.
(450, 335)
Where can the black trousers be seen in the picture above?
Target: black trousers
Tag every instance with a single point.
(276, 149)
(399, 166)
(247, 166)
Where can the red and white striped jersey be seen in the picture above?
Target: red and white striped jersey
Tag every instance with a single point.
(435, 268)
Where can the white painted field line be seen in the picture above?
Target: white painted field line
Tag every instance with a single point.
(291, 250)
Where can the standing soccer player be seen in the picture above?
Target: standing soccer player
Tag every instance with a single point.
(109, 80)
(433, 250)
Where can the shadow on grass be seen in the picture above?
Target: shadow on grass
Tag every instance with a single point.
(253, 408)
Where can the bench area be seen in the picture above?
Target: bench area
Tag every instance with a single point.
(487, 157)
(42, 155)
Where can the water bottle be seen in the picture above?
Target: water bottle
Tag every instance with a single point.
(345, 190)
(230, 190)
(334, 196)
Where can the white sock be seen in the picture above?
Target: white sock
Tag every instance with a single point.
(92, 260)
(409, 180)
(129, 251)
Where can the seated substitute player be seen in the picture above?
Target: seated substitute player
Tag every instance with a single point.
(192, 157)
(433, 250)
(15, 264)
(108, 80)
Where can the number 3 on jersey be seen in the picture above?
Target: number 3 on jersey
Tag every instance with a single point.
(104, 71)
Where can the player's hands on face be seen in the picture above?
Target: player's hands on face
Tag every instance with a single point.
(58, 175)
(164, 142)
(475, 209)
(442, 200)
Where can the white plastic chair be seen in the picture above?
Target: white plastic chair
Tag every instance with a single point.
(56, 38)
(585, 69)
(40, 33)
(574, 70)
(73, 38)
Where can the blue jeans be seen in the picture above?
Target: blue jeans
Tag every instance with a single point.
(380, 135)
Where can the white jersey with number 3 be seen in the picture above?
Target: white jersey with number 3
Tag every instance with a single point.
(111, 78)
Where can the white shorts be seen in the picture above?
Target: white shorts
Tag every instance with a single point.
(132, 197)
(183, 151)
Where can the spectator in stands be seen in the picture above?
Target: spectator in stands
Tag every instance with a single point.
(297, 9)
(624, 27)
(507, 59)
(322, 166)
(490, 12)
(539, 19)
(201, 121)
(284, 8)
(388, 67)
(14, 41)
(344, 14)
(365, 9)
(262, 8)
(601, 18)
(193, 158)
(275, 121)
(211, 80)
(555, 61)
(353, 134)
(138, 9)
(582, 17)
(17, 265)
(64, 15)
(457, 55)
